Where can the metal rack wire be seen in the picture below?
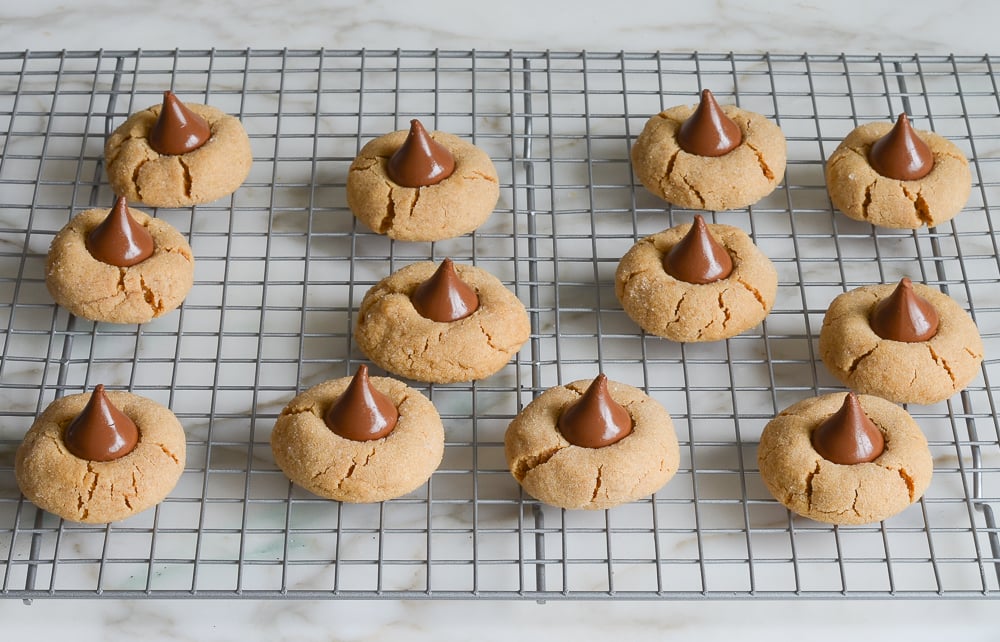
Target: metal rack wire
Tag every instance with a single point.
(282, 266)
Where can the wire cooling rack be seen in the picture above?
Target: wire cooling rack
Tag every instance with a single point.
(282, 266)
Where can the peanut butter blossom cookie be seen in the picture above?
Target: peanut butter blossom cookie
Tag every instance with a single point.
(709, 157)
(359, 439)
(592, 444)
(119, 265)
(908, 343)
(696, 282)
(895, 176)
(176, 155)
(441, 324)
(100, 457)
(845, 459)
(422, 186)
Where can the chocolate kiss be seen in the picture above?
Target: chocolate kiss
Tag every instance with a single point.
(361, 413)
(119, 239)
(178, 130)
(698, 257)
(708, 131)
(901, 154)
(420, 160)
(595, 419)
(101, 432)
(904, 315)
(445, 297)
(848, 436)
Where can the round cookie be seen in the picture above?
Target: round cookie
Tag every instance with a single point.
(923, 372)
(395, 336)
(809, 485)
(559, 473)
(214, 170)
(690, 312)
(324, 463)
(737, 179)
(863, 194)
(97, 492)
(455, 206)
(102, 292)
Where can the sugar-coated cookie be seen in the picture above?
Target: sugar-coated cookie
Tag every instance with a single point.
(95, 492)
(858, 190)
(861, 493)
(681, 311)
(737, 178)
(396, 336)
(562, 474)
(452, 206)
(923, 372)
(99, 291)
(159, 179)
(327, 464)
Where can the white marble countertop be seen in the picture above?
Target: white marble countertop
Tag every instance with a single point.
(852, 26)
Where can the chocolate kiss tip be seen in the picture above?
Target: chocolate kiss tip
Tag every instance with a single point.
(848, 436)
(595, 419)
(709, 131)
(698, 257)
(119, 239)
(904, 315)
(177, 130)
(420, 161)
(361, 413)
(901, 154)
(445, 297)
(101, 432)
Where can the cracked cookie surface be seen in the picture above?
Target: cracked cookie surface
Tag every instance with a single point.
(811, 486)
(923, 372)
(216, 169)
(319, 460)
(102, 292)
(455, 206)
(96, 492)
(863, 194)
(395, 336)
(690, 312)
(737, 179)
(559, 473)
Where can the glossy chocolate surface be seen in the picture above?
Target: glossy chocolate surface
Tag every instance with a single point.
(420, 160)
(445, 297)
(848, 436)
(708, 131)
(904, 315)
(698, 257)
(120, 240)
(901, 154)
(361, 413)
(178, 130)
(101, 432)
(595, 419)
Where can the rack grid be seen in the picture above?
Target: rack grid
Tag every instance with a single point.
(282, 266)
